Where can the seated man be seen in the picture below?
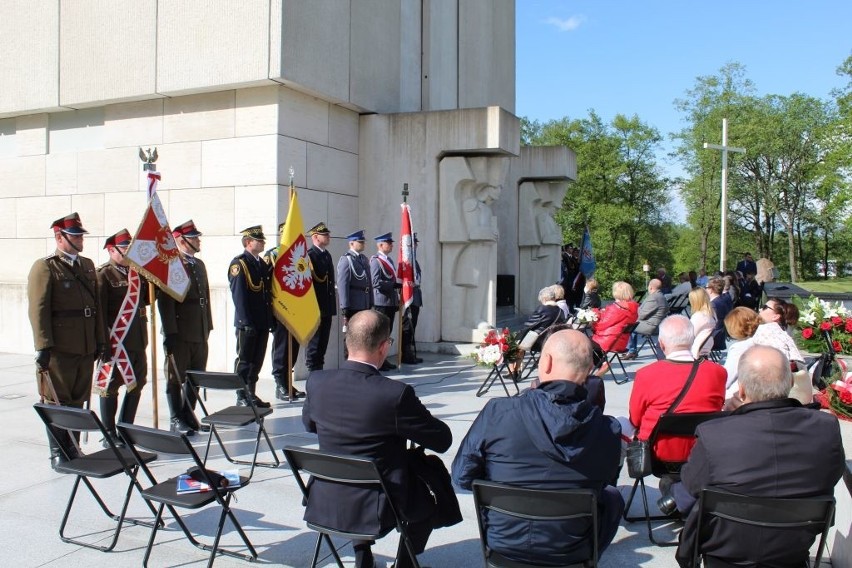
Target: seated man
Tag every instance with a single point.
(652, 310)
(549, 437)
(355, 410)
(769, 447)
(658, 385)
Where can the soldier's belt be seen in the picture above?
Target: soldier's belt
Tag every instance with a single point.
(200, 301)
(359, 288)
(84, 313)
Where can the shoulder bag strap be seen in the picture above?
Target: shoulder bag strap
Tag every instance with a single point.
(679, 398)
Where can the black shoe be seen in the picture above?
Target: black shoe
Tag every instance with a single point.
(668, 506)
(412, 360)
(387, 366)
(119, 443)
(178, 425)
(56, 461)
(242, 401)
(280, 393)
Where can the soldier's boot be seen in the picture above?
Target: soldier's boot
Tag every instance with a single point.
(280, 387)
(189, 409)
(109, 407)
(60, 436)
(176, 408)
(130, 406)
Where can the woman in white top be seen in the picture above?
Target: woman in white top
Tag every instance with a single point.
(741, 324)
(775, 316)
(702, 316)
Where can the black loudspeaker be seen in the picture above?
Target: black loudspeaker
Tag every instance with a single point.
(505, 290)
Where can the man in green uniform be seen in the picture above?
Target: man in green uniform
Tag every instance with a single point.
(123, 296)
(68, 330)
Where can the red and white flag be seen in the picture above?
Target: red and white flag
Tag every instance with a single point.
(154, 252)
(405, 258)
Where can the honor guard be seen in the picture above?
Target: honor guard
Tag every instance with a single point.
(123, 296)
(412, 314)
(354, 288)
(383, 275)
(186, 326)
(68, 330)
(322, 273)
(250, 282)
(281, 341)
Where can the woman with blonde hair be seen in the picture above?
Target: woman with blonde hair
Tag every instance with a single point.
(702, 319)
(607, 330)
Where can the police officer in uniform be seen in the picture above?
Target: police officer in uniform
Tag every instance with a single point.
(354, 283)
(113, 284)
(412, 314)
(383, 275)
(186, 326)
(322, 273)
(250, 282)
(281, 342)
(68, 330)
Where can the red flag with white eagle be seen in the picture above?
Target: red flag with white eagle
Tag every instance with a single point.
(154, 252)
(293, 301)
(405, 258)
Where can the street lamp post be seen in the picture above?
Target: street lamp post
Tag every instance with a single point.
(723, 252)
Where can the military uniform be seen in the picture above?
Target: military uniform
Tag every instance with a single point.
(322, 273)
(383, 276)
(113, 286)
(186, 326)
(67, 324)
(250, 283)
(354, 283)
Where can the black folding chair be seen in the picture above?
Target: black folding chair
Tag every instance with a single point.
(232, 417)
(502, 372)
(534, 505)
(649, 340)
(166, 492)
(611, 355)
(812, 514)
(677, 304)
(103, 464)
(348, 470)
(533, 355)
(677, 424)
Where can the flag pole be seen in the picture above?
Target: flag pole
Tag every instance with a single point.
(289, 335)
(149, 166)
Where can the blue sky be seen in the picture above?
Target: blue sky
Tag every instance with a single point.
(618, 56)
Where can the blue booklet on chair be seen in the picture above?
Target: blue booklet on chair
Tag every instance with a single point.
(186, 484)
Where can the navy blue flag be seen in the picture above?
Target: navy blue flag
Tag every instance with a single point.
(587, 256)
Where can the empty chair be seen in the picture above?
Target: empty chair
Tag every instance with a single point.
(102, 464)
(165, 493)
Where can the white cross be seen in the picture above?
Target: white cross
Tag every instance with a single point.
(723, 253)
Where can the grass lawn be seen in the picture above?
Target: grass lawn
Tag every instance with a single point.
(831, 285)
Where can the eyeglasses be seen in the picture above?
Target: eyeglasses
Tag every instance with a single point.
(390, 341)
(768, 307)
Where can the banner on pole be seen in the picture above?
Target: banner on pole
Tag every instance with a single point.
(405, 259)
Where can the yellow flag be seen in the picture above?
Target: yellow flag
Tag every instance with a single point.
(294, 302)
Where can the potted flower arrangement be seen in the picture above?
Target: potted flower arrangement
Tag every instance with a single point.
(818, 318)
(497, 346)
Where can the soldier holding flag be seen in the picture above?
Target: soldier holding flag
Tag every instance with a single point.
(322, 273)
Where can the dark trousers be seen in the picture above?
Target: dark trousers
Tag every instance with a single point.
(610, 509)
(71, 376)
(389, 311)
(315, 354)
(409, 326)
(417, 532)
(251, 349)
(281, 345)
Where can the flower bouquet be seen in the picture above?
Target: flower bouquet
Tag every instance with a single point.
(838, 396)
(497, 346)
(587, 316)
(818, 319)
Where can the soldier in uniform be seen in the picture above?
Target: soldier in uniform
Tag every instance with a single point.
(186, 326)
(114, 287)
(68, 330)
(354, 287)
(281, 342)
(383, 275)
(250, 282)
(322, 273)
(412, 314)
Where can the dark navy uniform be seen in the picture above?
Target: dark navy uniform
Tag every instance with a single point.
(281, 342)
(322, 273)
(250, 283)
(354, 283)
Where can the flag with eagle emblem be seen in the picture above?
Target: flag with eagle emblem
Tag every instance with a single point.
(294, 302)
(154, 252)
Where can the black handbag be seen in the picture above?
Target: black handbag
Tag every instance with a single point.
(435, 486)
(638, 455)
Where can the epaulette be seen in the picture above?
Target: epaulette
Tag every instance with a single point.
(48, 257)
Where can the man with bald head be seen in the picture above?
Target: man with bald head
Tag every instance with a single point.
(770, 446)
(549, 437)
(652, 310)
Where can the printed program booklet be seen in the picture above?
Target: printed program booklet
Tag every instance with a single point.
(186, 484)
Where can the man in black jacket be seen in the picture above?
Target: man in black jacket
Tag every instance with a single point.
(355, 410)
(769, 447)
(550, 437)
(322, 272)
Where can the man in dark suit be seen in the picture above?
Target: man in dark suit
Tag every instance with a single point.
(64, 311)
(186, 326)
(769, 447)
(355, 410)
(322, 272)
(249, 279)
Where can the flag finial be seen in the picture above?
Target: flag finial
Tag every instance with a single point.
(404, 192)
(149, 159)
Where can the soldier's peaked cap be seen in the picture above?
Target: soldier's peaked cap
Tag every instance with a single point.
(319, 229)
(186, 230)
(255, 232)
(70, 225)
(385, 238)
(120, 239)
(356, 236)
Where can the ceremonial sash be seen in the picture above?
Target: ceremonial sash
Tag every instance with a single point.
(123, 321)
(386, 267)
